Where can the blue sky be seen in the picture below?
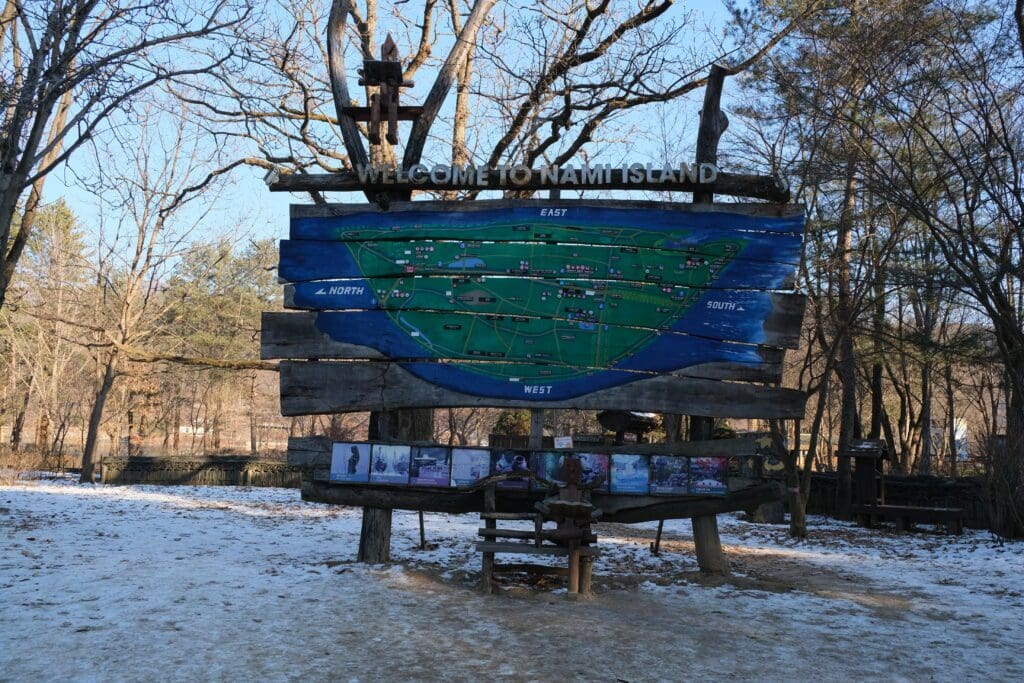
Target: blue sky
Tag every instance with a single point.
(247, 210)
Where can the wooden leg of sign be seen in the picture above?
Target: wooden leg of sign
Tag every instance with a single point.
(586, 574)
(392, 425)
(708, 545)
(656, 546)
(487, 569)
(423, 535)
(375, 537)
(574, 572)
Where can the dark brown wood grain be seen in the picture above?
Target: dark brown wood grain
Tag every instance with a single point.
(309, 388)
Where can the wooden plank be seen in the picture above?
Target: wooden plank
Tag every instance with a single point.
(405, 113)
(709, 312)
(298, 337)
(622, 509)
(330, 387)
(760, 261)
(673, 227)
(467, 318)
(354, 210)
(770, 187)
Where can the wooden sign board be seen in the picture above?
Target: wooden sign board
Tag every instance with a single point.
(540, 303)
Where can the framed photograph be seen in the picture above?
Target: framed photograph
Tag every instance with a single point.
(548, 465)
(709, 476)
(389, 464)
(431, 466)
(630, 474)
(470, 465)
(593, 466)
(510, 462)
(350, 462)
(669, 475)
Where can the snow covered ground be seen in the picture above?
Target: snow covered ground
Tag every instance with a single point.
(199, 583)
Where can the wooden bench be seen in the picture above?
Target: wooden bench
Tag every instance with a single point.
(571, 540)
(905, 516)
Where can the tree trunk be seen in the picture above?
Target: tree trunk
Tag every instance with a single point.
(19, 418)
(95, 417)
(847, 369)
(254, 446)
(951, 421)
(926, 418)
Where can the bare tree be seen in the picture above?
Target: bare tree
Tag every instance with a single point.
(71, 70)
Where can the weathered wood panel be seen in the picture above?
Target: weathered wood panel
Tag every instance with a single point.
(622, 509)
(758, 262)
(330, 387)
(715, 313)
(772, 188)
(308, 336)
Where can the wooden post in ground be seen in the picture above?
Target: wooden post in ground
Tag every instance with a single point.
(713, 122)
(487, 570)
(536, 428)
(400, 425)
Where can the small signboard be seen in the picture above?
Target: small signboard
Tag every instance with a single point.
(563, 442)
(470, 465)
(431, 466)
(709, 476)
(630, 474)
(390, 464)
(350, 462)
(669, 475)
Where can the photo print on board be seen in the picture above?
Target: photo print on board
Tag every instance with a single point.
(431, 466)
(630, 474)
(390, 464)
(709, 476)
(594, 466)
(548, 465)
(511, 462)
(470, 465)
(350, 462)
(669, 475)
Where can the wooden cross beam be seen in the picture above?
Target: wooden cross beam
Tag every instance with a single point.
(386, 75)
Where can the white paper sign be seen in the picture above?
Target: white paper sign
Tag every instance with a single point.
(563, 442)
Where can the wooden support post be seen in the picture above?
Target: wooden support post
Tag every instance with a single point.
(487, 569)
(586, 574)
(375, 536)
(708, 545)
(656, 546)
(536, 428)
(574, 570)
(423, 534)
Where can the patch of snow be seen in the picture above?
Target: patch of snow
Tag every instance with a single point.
(184, 583)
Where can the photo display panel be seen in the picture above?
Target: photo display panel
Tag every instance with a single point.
(709, 476)
(390, 464)
(470, 465)
(669, 475)
(511, 461)
(594, 466)
(431, 466)
(630, 474)
(548, 465)
(350, 462)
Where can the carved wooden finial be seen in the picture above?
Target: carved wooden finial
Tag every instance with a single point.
(389, 50)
